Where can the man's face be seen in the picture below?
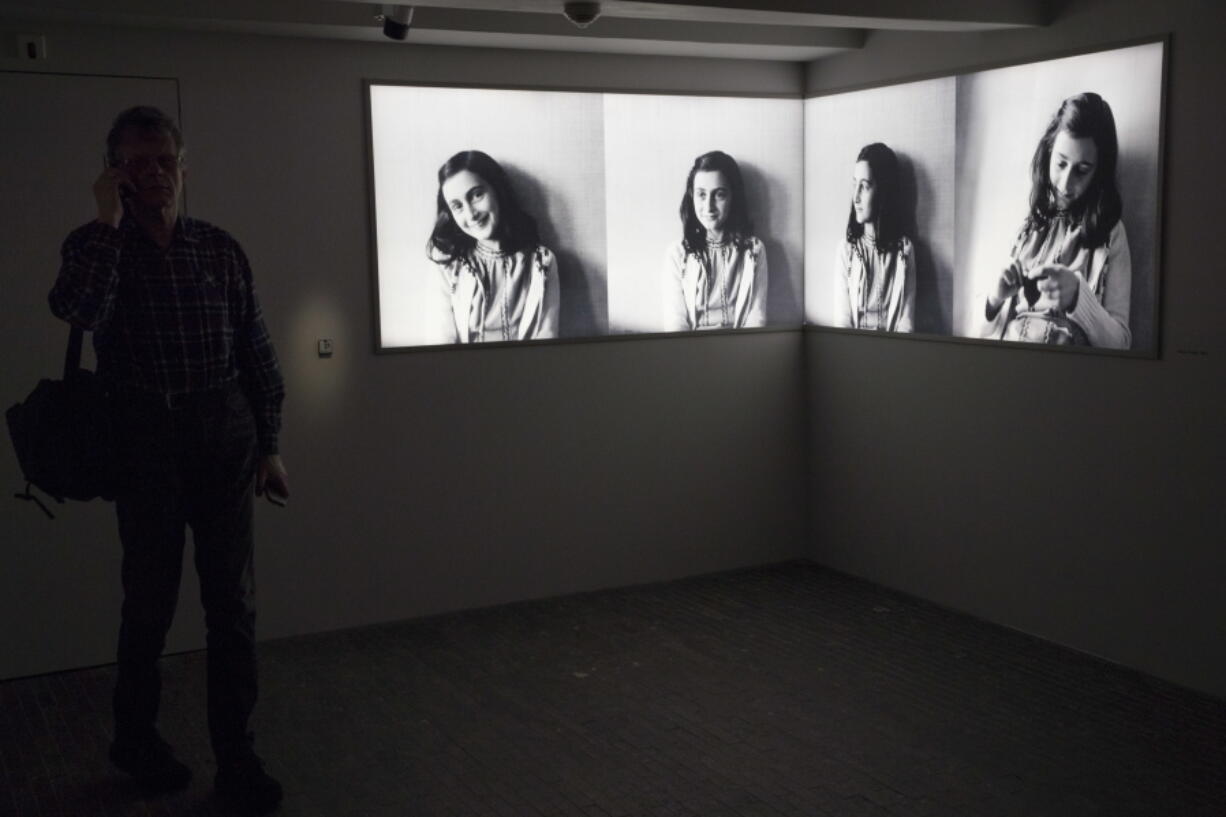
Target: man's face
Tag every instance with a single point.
(151, 162)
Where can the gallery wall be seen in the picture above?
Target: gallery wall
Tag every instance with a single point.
(1074, 497)
(424, 481)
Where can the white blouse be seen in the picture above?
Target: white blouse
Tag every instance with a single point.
(880, 284)
(1104, 274)
(723, 286)
(500, 296)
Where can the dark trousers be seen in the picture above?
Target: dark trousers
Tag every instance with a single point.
(189, 464)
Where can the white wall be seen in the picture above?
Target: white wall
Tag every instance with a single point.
(1075, 497)
(423, 481)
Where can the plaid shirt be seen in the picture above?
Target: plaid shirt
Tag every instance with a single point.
(174, 321)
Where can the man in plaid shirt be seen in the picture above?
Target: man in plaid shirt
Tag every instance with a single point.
(182, 344)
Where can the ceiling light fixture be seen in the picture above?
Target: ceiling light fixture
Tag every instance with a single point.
(581, 14)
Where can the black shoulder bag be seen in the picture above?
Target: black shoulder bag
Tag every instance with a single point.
(63, 434)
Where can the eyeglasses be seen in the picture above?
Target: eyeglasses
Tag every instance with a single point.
(168, 162)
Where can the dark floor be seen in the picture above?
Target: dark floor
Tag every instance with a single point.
(785, 690)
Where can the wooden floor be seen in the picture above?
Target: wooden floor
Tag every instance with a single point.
(783, 690)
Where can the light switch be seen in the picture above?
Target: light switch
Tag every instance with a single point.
(325, 347)
(31, 47)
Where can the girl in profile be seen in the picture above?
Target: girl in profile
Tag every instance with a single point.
(498, 280)
(1069, 278)
(716, 275)
(876, 260)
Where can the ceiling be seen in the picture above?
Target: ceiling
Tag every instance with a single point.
(790, 30)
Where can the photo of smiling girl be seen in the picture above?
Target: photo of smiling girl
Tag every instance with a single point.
(717, 273)
(499, 282)
(1069, 277)
(876, 260)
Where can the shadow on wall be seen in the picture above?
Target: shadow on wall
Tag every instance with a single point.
(577, 311)
(782, 299)
(1135, 173)
(933, 285)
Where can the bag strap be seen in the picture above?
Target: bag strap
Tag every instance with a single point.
(30, 497)
(72, 357)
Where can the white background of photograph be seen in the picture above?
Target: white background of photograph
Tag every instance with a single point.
(550, 144)
(916, 120)
(651, 142)
(1002, 114)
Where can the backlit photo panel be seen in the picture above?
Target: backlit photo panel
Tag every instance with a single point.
(514, 159)
(884, 158)
(1070, 210)
(738, 264)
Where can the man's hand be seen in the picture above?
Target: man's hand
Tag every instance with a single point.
(108, 193)
(272, 477)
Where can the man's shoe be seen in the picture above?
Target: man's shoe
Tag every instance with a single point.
(245, 784)
(150, 763)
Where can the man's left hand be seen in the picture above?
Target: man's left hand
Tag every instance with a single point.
(272, 477)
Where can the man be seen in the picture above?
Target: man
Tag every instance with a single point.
(182, 345)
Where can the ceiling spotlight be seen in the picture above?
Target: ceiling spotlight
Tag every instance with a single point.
(581, 14)
(396, 20)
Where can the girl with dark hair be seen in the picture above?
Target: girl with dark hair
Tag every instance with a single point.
(716, 275)
(499, 281)
(1069, 280)
(876, 260)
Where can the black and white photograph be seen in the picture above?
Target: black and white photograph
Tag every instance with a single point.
(1010, 204)
(489, 214)
(705, 198)
(879, 238)
(1057, 200)
(983, 205)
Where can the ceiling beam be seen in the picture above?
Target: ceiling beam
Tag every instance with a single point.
(791, 30)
